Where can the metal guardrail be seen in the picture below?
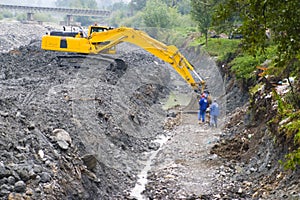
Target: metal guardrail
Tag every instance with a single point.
(66, 11)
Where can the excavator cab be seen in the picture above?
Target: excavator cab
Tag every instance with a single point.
(98, 29)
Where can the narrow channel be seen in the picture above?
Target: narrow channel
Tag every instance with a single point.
(140, 185)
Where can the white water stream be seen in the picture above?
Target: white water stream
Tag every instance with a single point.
(140, 185)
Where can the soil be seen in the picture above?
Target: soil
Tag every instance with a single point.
(84, 127)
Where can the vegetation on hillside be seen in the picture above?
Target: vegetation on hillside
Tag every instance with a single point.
(270, 31)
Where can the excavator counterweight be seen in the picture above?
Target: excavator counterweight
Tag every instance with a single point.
(102, 39)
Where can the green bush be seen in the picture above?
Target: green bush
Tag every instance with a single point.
(43, 17)
(220, 47)
(184, 22)
(292, 160)
(7, 14)
(293, 99)
(21, 17)
(290, 129)
(243, 66)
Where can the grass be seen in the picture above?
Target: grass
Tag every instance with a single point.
(220, 47)
(245, 64)
(290, 130)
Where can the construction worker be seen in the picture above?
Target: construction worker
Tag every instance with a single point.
(203, 103)
(208, 97)
(214, 113)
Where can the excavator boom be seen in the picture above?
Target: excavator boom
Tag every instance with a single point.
(104, 40)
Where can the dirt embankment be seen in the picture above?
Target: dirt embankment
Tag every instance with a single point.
(76, 128)
(252, 148)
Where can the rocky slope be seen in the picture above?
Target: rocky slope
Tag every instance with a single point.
(73, 128)
(254, 149)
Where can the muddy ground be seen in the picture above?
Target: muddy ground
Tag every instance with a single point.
(84, 128)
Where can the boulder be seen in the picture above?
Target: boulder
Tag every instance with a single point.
(45, 177)
(20, 186)
(63, 138)
(90, 161)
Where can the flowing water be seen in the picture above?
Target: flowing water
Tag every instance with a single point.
(140, 185)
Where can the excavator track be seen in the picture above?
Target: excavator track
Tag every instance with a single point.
(73, 58)
(99, 57)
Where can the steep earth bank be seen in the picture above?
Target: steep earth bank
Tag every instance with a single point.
(252, 148)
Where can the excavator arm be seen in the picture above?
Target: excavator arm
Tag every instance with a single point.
(98, 42)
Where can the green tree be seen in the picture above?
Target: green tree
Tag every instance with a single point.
(119, 6)
(77, 4)
(120, 12)
(184, 7)
(276, 23)
(137, 5)
(281, 19)
(90, 4)
(202, 11)
(158, 14)
(63, 3)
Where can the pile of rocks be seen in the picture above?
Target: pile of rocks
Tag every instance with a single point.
(75, 131)
(16, 34)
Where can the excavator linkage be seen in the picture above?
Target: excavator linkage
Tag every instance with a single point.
(101, 39)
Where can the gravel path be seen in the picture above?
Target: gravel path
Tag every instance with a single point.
(184, 168)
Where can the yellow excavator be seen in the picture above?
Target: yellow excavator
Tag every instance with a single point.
(103, 39)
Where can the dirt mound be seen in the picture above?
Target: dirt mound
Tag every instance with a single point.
(109, 109)
(16, 34)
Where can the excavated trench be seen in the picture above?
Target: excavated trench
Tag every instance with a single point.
(86, 127)
(83, 127)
